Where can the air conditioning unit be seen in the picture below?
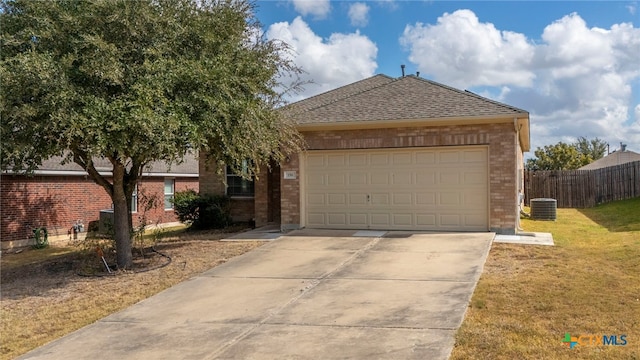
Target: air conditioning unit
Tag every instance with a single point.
(543, 209)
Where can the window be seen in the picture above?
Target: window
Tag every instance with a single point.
(236, 185)
(134, 199)
(169, 190)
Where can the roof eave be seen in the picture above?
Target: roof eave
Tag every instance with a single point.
(520, 121)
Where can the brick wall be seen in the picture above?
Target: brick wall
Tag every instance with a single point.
(56, 202)
(503, 158)
(290, 194)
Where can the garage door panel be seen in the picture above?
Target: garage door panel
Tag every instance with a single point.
(358, 219)
(473, 200)
(339, 199)
(425, 199)
(357, 178)
(475, 178)
(402, 199)
(450, 199)
(337, 219)
(474, 156)
(357, 160)
(379, 159)
(402, 159)
(316, 180)
(425, 157)
(334, 179)
(403, 220)
(402, 178)
(315, 161)
(450, 220)
(380, 220)
(403, 189)
(449, 157)
(427, 221)
(336, 160)
(425, 177)
(474, 220)
(450, 178)
(379, 179)
(379, 199)
(316, 199)
(316, 219)
(358, 199)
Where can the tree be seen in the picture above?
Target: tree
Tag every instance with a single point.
(594, 149)
(560, 156)
(139, 81)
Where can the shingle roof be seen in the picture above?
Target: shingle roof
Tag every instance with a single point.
(383, 98)
(189, 166)
(613, 159)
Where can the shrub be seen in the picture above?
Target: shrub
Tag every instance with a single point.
(202, 211)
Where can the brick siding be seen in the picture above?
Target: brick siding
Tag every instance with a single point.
(56, 202)
(505, 160)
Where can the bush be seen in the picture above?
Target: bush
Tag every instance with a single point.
(202, 211)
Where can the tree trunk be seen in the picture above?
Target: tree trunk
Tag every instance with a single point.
(121, 221)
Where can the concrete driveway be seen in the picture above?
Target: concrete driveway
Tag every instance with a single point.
(310, 294)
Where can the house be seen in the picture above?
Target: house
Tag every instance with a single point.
(58, 197)
(622, 156)
(393, 154)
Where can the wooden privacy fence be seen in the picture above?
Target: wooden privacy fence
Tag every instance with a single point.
(584, 188)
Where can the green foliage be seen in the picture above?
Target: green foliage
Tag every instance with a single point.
(563, 156)
(185, 205)
(140, 81)
(594, 148)
(202, 211)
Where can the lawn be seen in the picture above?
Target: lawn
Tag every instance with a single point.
(530, 296)
(44, 298)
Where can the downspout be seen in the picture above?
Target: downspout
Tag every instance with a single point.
(518, 177)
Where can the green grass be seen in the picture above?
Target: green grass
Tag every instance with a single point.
(589, 283)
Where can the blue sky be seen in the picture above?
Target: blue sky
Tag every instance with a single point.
(575, 65)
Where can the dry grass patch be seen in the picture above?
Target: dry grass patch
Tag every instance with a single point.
(589, 283)
(43, 298)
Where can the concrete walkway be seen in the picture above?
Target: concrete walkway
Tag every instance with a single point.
(311, 294)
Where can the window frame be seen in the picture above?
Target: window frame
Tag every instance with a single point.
(233, 180)
(171, 195)
(134, 199)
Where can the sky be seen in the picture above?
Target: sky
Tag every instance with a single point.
(573, 65)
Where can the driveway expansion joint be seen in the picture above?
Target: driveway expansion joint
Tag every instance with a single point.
(222, 349)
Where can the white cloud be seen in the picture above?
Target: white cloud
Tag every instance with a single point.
(359, 14)
(318, 8)
(632, 7)
(329, 63)
(462, 52)
(576, 82)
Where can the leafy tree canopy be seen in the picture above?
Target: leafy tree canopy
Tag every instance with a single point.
(139, 81)
(563, 156)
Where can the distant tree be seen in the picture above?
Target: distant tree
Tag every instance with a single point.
(595, 148)
(560, 156)
(139, 81)
(563, 156)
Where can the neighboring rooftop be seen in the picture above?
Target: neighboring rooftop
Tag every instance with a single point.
(615, 158)
(53, 166)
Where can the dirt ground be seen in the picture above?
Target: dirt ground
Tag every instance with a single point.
(47, 299)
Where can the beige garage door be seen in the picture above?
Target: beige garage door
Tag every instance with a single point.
(397, 189)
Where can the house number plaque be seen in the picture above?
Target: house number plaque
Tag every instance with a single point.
(290, 175)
